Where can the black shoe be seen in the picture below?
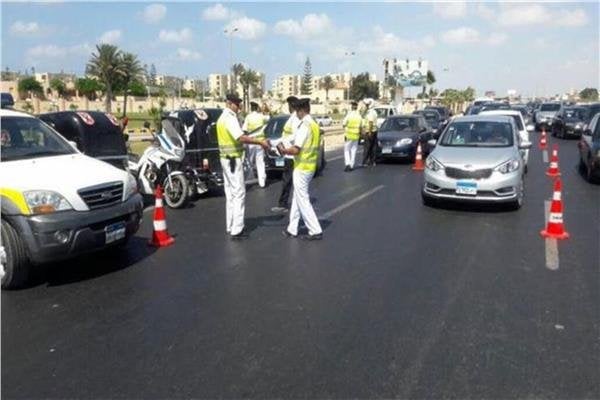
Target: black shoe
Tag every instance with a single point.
(288, 235)
(318, 236)
(351, 169)
(240, 236)
(347, 168)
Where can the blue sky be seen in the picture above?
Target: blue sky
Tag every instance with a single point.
(537, 48)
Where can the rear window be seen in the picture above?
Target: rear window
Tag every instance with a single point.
(274, 128)
(400, 124)
(550, 107)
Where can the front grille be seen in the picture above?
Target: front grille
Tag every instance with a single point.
(104, 195)
(458, 173)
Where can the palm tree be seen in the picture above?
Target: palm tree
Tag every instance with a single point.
(106, 65)
(327, 85)
(248, 78)
(237, 70)
(131, 70)
(429, 80)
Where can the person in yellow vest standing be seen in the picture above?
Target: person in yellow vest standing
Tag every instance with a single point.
(352, 123)
(370, 134)
(231, 140)
(305, 149)
(254, 125)
(289, 129)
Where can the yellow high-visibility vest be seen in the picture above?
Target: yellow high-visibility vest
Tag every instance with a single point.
(254, 121)
(228, 145)
(306, 160)
(353, 122)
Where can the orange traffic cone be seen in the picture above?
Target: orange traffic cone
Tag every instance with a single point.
(553, 170)
(543, 141)
(419, 166)
(555, 228)
(160, 236)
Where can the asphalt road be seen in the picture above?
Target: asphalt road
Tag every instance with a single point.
(398, 301)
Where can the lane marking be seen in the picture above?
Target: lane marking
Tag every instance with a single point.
(551, 244)
(347, 204)
(545, 156)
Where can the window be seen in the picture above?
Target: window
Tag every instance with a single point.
(478, 134)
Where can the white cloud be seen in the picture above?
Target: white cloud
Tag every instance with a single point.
(218, 12)
(571, 18)
(21, 28)
(497, 38)
(386, 43)
(184, 54)
(485, 12)
(428, 41)
(110, 37)
(247, 28)
(533, 14)
(450, 10)
(462, 35)
(312, 25)
(154, 13)
(174, 36)
(53, 51)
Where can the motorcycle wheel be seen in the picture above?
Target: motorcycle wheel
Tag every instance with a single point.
(176, 191)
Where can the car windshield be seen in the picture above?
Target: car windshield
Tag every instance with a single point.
(478, 134)
(399, 124)
(274, 128)
(549, 107)
(575, 113)
(382, 112)
(24, 137)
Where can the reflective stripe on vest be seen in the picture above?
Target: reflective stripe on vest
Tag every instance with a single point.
(254, 121)
(306, 160)
(352, 130)
(287, 129)
(228, 146)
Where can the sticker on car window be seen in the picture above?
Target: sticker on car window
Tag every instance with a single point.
(87, 118)
(112, 119)
(201, 114)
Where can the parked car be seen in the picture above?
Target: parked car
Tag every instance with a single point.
(589, 150)
(57, 202)
(569, 121)
(95, 134)
(273, 131)
(543, 117)
(399, 136)
(323, 120)
(476, 159)
(383, 112)
(6, 100)
(521, 127)
(434, 119)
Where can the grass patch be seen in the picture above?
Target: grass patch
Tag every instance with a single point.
(138, 147)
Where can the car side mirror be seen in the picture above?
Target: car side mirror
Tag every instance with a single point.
(587, 132)
(530, 128)
(432, 142)
(524, 145)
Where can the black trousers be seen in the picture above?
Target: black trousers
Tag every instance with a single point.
(286, 183)
(369, 149)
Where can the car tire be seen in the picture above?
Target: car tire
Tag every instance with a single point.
(428, 201)
(589, 173)
(17, 267)
(518, 202)
(182, 188)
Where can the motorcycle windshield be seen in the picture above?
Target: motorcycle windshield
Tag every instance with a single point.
(171, 131)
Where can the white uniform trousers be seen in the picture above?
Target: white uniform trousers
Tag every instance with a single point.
(350, 147)
(301, 206)
(235, 195)
(256, 155)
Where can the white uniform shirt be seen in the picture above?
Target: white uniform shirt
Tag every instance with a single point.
(232, 123)
(303, 131)
(295, 122)
(372, 117)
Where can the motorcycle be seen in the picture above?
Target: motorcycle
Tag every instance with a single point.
(161, 164)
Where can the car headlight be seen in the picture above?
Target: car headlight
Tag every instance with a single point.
(46, 202)
(508, 166)
(433, 164)
(404, 142)
(131, 187)
(578, 126)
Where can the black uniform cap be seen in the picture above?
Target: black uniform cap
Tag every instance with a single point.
(234, 98)
(291, 99)
(354, 104)
(303, 104)
(253, 104)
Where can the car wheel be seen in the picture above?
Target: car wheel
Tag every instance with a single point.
(428, 201)
(589, 173)
(16, 264)
(176, 191)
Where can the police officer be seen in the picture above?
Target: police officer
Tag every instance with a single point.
(231, 140)
(370, 135)
(254, 126)
(305, 149)
(286, 177)
(352, 123)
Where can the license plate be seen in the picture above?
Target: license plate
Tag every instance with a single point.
(386, 150)
(468, 188)
(279, 163)
(114, 232)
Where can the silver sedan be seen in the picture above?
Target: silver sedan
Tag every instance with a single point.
(477, 159)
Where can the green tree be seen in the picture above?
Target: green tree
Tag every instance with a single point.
(430, 80)
(58, 86)
(131, 70)
(106, 65)
(328, 84)
(152, 75)
(392, 85)
(306, 85)
(137, 88)
(589, 94)
(248, 78)
(362, 87)
(88, 87)
(30, 85)
(237, 70)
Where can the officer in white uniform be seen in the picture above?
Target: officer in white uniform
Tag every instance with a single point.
(231, 140)
(254, 125)
(352, 123)
(370, 134)
(305, 149)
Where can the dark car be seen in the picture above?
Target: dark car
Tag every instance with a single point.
(443, 111)
(95, 133)
(434, 119)
(273, 131)
(495, 106)
(589, 150)
(524, 110)
(591, 110)
(473, 110)
(569, 121)
(6, 100)
(399, 136)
